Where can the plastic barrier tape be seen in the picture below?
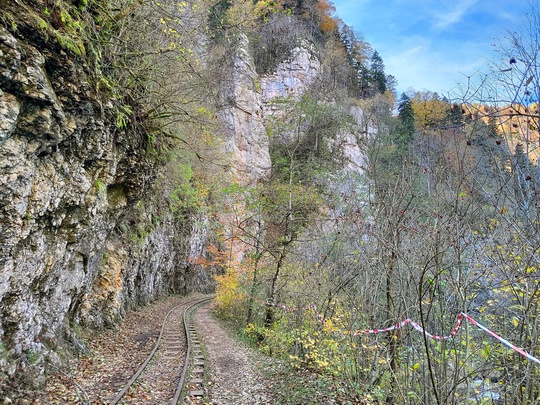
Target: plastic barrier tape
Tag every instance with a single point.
(419, 328)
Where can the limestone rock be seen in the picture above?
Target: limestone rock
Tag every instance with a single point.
(9, 111)
(241, 116)
(74, 246)
(289, 81)
(291, 78)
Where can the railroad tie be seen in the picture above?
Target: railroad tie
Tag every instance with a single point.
(196, 393)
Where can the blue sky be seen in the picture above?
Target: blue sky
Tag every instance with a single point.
(433, 44)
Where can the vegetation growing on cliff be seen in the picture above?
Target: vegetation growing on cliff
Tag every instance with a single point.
(442, 219)
(444, 222)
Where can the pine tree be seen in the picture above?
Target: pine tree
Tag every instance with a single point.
(376, 72)
(454, 115)
(357, 50)
(364, 82)
(405, 127)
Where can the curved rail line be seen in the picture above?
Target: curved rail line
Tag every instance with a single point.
(189, 329)
(190, 305)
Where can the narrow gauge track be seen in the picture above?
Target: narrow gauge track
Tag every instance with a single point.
(160, 378)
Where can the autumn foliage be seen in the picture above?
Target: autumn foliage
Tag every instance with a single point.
(326, 9)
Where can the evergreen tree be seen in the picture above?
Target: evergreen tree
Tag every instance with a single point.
(405, 127)
(454, 115)
(391, 83)
(357, 50)
(376, 73)
(363, 80)
(369, 75)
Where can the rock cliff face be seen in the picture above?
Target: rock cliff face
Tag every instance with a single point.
(241, 113)
(81, 235)
(291, 78)
(290, 81)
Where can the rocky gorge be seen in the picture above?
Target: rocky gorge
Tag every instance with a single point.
(87, 231)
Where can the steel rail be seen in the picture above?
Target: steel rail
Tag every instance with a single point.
(181, 382)
(143, 366)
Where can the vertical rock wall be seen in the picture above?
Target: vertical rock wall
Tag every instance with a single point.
(241, 115)
(85, 232)
(290, 79)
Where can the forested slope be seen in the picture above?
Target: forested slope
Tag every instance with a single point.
(441, 228)
(146, 147)
(124, 128)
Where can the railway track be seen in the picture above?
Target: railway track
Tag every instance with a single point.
(161, 377)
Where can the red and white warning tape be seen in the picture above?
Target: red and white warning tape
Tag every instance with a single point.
(460, 318)
(500, 339)
(416, 326)
(401, 325)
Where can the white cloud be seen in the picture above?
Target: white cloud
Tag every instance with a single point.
(432, 44)
(447, 18)
(421, 66)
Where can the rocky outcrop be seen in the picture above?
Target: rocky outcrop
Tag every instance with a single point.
(290, 79)
(241, 114)
(85, 232)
